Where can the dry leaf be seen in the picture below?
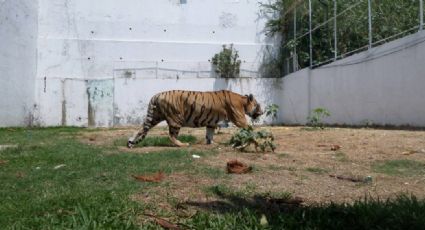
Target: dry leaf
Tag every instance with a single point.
(157, 177)
(163, 223)
(237, 167)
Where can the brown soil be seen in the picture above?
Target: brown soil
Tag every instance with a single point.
(302, 164)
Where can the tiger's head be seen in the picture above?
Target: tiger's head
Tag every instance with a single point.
(252, 108)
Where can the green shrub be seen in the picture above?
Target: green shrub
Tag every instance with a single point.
(315, 119)
(227, 63)
(246, 136)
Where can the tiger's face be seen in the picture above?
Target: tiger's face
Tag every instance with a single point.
(253, 108)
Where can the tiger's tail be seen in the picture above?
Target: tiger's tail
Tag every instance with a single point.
(152, 118)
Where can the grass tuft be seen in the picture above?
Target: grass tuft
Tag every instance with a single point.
(317, 170)
(400, 168)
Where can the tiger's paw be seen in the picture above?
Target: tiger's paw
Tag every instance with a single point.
(130, 144)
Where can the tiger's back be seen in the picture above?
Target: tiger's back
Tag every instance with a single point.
(193, 109)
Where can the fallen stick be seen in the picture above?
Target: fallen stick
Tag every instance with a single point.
(349, 178)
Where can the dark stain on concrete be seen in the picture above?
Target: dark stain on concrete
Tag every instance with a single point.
(91, 113)
(63, 113)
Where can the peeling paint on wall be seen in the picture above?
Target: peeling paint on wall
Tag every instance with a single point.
(100, 102)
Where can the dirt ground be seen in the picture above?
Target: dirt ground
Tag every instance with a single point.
(301, 164)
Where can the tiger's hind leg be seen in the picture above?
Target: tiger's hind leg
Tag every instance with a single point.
(174, 132)
(141, 134)
(210, 134)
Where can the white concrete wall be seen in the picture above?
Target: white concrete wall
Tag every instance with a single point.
(100, 61)
(383, 86)
(18, 49)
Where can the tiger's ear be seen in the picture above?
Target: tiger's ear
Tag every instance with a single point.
(250, 97)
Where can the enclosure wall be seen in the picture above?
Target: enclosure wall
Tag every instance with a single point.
(100, 61)
(383, 86)
(18, 59)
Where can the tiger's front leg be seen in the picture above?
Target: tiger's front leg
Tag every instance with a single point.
(210, 135)
(173, 133)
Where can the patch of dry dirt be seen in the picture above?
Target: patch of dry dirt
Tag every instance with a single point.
(301, 163)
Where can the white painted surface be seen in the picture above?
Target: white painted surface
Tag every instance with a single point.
(99, 62)
(384, 86)
(112, 57)
(18, 47)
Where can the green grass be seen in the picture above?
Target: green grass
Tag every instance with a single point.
(400, 168)
(91, 191)
(163, 141)
(238, 210)
(341, 156)
(317, 170)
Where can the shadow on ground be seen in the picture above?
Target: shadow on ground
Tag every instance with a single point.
(402, 212)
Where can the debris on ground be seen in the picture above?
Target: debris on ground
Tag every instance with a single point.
(59, 166)
(335, 147)
(237, 167)
(263, 220)
(196, 156)
(3, 162)
(163, 223)
(410, 152)
(157, 177)
(352, 178)
(332, 147)
(4, 147)
(19, 174)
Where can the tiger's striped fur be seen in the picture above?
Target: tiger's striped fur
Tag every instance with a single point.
(196, 109)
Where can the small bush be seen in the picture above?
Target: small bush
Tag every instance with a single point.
(271, 111)
(315, 120)
(246, 136)
(227, 63)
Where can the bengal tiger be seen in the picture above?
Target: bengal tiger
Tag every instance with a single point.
(196, 109)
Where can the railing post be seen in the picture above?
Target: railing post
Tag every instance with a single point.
(294, 56)
(335, 33)
(421, 15)
(369, 9)
(309, 28)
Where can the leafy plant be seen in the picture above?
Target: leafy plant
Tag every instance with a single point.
(315, 119)
(227, 63)
(271, 110)
(246, 136)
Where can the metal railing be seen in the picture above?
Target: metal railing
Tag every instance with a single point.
(326, 39)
